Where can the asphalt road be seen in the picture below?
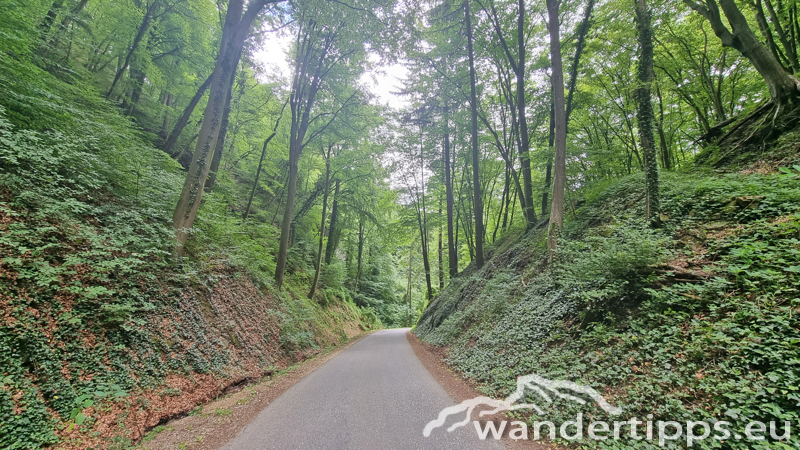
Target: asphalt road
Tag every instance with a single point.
(374, 395)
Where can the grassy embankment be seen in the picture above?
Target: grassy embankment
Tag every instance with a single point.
(104, 334)
(694, 319)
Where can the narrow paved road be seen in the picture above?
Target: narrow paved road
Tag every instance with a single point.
(374, 395)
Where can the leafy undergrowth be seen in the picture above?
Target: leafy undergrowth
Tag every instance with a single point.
(696, 319)
(104, 334)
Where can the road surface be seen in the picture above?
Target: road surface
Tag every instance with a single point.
(374, 395)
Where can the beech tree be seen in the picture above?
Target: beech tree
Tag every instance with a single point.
(329, 56)
(783, 87)
(518, 64)
(172, 138)
(476, 180)
(326, 155)
(154, 10)
(452, 256)
(235, 30)
(560, 126)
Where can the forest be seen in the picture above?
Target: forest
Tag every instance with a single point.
(545, 177)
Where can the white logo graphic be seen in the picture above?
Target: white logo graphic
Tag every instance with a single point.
(532, 382)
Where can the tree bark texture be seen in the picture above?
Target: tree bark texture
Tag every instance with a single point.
(560, 121)
(476, 181)
(644, 107)
(235, 30)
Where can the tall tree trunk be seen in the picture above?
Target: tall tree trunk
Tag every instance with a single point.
(468, 209)
(283, 249)
(330, 248)
(441, 247)
(452, 258)
(513, 202)
(503, 197)
(360, 250)
(549, 171)
(560, 116)
(219, 148)
(235, 31)
(488, 195)
(318, 264)
(422, 217)
(140, 33)
(168, 99)
(476, 181)
(509, 204)
(664, 145)
(187, 113)
(583, 30)
(530, 213)
(305, 86)
(258, 174)
(645, 107)
(408, 289)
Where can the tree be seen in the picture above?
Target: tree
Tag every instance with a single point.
(333, 231)
(219, 148)
(783, 87)
(518, 67)
(410, 165)
(235, 30)
(422, 214)
(318, 265)
(153, 11)
(261, 161)
(315, 57)
(644, 110)
(583, 29)
(187, 113)
(329, 56)
(476, 181)
(560, 127)
(452, 257)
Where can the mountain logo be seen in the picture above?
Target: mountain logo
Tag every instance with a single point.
(542, 386)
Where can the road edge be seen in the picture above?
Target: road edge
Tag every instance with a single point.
(224, 418)
(460, 388)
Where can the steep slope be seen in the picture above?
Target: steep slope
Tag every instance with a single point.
(104, 334)
(696, 318)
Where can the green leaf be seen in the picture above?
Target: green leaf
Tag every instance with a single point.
(732, 413)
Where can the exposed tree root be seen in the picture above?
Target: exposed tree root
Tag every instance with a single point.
(748, 138)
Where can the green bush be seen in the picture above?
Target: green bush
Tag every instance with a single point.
(612, 266)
